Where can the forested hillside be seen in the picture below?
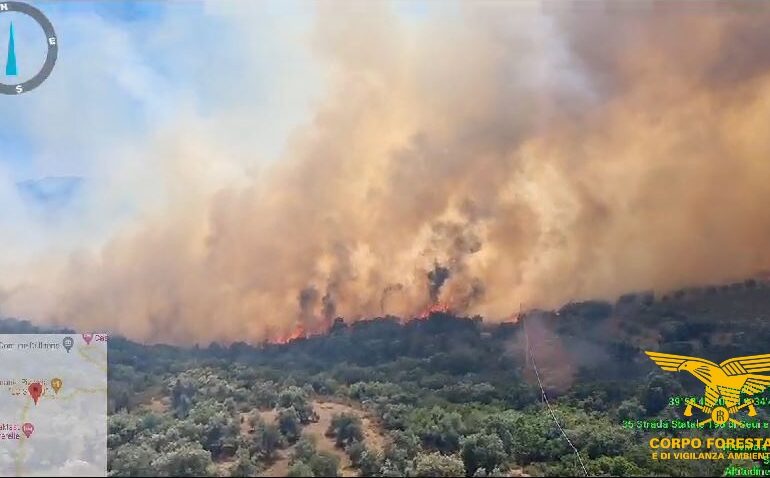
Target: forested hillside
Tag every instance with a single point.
(440, 396)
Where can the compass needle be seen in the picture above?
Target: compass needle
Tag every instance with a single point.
(14, 85)
(10, 64)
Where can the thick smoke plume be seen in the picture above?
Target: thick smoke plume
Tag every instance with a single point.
(483, 157)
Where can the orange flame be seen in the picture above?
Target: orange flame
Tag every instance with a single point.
(438, 307)
(299, 332)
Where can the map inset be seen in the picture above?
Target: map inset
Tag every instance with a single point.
(53, 405)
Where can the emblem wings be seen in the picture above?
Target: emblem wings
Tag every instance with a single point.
(671, 362)
(750, 365)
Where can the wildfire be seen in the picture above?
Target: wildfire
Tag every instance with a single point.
(299, 332)
(438, 307)
(302, 332)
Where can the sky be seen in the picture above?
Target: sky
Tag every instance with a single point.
(79, 156)
(125, 70)
(268, 166)
(138, 61)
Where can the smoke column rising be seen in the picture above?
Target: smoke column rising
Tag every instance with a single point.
(537, 153)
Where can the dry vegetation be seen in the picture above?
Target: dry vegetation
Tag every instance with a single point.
(317, 430)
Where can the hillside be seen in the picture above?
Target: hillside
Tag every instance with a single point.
(440, 396)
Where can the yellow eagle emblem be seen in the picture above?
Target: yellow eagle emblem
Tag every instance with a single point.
(728, 380)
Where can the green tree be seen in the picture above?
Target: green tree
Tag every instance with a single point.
(600, 437)
(354, 451)
(437, 465)
(295, 397)
(219, 428)
(267, 439)
(370, 463)
(346, 428)
(399, 451)
(132, 460)
(304, 450)
(614, 466)
(438, 428)
(289, 425)
(181, 431)
(183, 390)
(530, 441)
(391, 470)
(631, 409)
(187, 460)
(367, 461)
(300, 470)
(482, 450)
(264, 394)
(244, 465)
(504, 425)
(658, 390)
(122, 428)
(325, 463)
(482, 473)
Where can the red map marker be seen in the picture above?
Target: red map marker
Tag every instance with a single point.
(35, 390)
(87, 338)
(27, 429)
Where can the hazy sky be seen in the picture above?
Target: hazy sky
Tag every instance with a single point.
(243, 71)
(267, 166)
(126, 72)
(81, 157)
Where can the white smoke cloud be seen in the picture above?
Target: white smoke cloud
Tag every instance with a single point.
(245, 184)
